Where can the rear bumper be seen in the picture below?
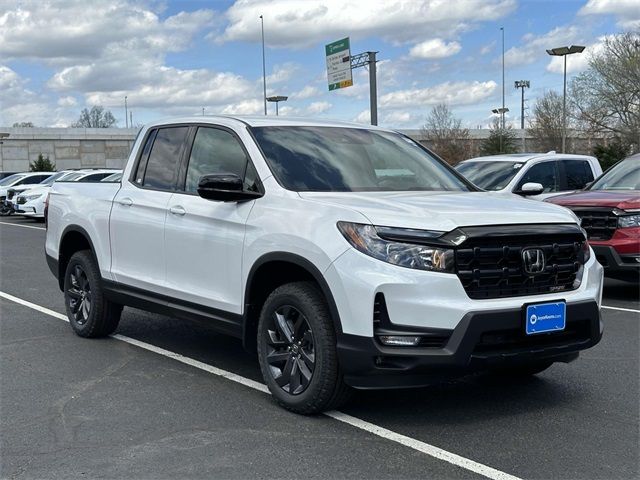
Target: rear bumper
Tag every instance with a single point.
(622, 267)
(480, 341)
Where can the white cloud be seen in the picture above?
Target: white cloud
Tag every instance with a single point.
(488, 48)
(316, 108)
(65, 31)
(282, 73)
(535, 47)
(245, 107)
(67, 101)
(627, 11)
(309, 91)
(452, 93)
(435, 48)
(363, 117)
(296, 24)
(398, 118)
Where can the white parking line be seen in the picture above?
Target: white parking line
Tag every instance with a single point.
(23, 226)
(382, 432)
(621, 309)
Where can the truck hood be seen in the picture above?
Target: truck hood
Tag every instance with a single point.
(444, 211)
(624, 200)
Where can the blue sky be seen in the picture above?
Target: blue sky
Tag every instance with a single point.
(176, 57)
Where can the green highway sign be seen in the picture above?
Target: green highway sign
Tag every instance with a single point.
(339, 64)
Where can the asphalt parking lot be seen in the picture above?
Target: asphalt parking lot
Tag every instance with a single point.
(153, 402)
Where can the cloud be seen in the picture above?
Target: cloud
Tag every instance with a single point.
(282, 73)
(296, 24)
(397, 118)
(535, 46)
(452, 93)
(435, 48)
(316, 108)
(488, 48)
(308, 91)
(67, 101)
(65, 31)
(627, 11)
(363, 117)
(245, 107)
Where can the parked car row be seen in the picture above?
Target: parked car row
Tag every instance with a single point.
(25, 193)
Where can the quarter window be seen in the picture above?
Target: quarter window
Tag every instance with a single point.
(162, 167)
(217, 151)
(542, 173)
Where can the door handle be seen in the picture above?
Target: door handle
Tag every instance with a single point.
(177, 210)
(126, 201)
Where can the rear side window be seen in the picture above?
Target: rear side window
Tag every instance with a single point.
(33, 179)
(542, 173)
(162, 167)
(577, 173)
(94, 177)
(216, 151)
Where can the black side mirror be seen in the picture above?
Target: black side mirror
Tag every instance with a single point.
(224, 187)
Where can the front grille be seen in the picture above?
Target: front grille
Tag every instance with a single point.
(599, 224)
(492, 266)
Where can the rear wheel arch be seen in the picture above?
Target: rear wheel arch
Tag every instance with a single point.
(268, 273)
(73, 239)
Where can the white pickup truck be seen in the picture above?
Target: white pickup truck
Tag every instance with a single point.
(348, 256)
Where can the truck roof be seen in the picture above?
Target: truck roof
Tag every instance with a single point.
(263, 121)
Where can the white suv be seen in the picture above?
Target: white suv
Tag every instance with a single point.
(534, 175)
(346, 255)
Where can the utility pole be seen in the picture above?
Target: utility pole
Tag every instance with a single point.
(361, 60)
(126, 115)
(503, 109)
(264, 69)
(131, 118)
(522, 84)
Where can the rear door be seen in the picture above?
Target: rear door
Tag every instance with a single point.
(204, 238)
(575, 174)
(140, 208)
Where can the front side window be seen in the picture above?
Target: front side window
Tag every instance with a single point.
(336, 159)
(217, 151)
(162, 166)
(32, 179)
(543, 173)
(578, 173)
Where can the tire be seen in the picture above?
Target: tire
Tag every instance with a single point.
(521, 371)
(311, 357)
(90, 314)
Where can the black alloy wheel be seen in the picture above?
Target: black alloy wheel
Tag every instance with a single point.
(290, 349)
(79, 295)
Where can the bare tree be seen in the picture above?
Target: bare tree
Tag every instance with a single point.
(97, 117)
(546, 125)
(445, 134)
(23, 125)
(607, 96)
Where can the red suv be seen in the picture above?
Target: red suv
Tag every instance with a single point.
(610, 213)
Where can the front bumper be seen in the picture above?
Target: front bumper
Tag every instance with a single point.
(480, 341)
(621, 267)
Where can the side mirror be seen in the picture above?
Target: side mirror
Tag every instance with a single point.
(224, 187)
(530, 188)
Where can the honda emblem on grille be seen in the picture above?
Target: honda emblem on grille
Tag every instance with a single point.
(533, 260)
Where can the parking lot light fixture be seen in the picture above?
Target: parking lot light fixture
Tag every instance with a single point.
(563, 52)
(277, 99)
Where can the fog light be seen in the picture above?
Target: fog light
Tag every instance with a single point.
(399, 341)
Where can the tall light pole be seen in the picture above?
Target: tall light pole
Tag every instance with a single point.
(563, 52)
(502, 30)
(264, 68)
(277, 99)
(522, 84)
(126, 114)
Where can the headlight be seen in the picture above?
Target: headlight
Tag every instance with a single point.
(367, 239)
(28, 198)
(629, 221)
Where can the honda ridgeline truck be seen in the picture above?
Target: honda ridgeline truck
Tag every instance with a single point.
(347, 256)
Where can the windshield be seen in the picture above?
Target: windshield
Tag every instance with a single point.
(10, 179)
(49, 181)
(623, 176)
(489, 175)
(337, 159)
